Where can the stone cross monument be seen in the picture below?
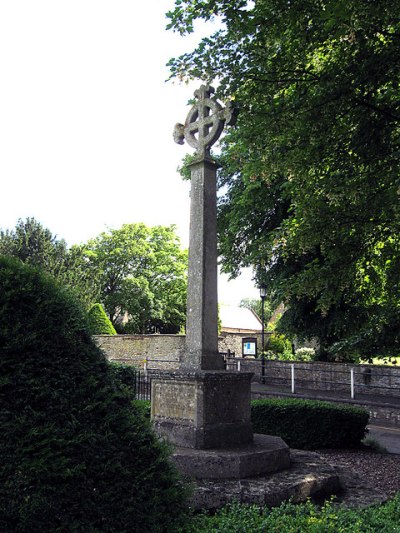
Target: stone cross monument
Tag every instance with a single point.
(201, 408)
(203, 126)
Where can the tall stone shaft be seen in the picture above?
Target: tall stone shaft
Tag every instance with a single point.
(202, 304)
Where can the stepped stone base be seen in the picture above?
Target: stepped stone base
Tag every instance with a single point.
(264, 455)
(309, 476)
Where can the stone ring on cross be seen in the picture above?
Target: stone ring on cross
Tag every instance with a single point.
(205, 122)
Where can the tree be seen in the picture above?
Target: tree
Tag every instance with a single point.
(98, 321)
(77, 454)
(310, 176)
(143, 277)
(255, 305)
(35, 245)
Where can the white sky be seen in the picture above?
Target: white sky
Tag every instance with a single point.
(86, 119)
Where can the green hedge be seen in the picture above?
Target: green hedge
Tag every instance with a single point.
(310, 424)
(98, 321)
(76, 453)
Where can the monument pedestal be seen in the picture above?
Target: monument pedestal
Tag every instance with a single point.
(206, 415)
(203, 409)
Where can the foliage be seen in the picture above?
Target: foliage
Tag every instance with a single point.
(143, 277)
(98, 321)
(256, 306)
(310, 424)
(144, 406)
(35, 245)
(279, 345)
(125, 376)
(76, 453)
(291, 518)
(310, 181)
(304, 354)
(373, 444)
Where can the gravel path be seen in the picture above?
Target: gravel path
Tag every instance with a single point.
(381, 470)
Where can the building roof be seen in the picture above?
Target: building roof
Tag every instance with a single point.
(239, 319)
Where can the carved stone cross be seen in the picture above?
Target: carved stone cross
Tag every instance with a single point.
(205, 122)
(203, 126)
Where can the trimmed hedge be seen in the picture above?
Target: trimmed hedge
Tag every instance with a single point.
(76, 454)
(310, 424)
(98, 321)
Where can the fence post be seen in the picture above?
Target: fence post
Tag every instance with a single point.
(238, 365)
(292, 372)
(352, 383)
(145, 368)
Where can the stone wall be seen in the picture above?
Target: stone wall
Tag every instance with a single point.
(377, 380)
(160, 351)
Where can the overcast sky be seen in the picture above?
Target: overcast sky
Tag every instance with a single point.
(86, 119)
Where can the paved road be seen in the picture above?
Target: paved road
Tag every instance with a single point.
(389, 437)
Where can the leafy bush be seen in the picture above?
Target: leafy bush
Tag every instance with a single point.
(310, 424)
(99, 323)
(279, 345)
(125, 376)
(305, 354)
(290, 518)
(77, 455)
(144, 406)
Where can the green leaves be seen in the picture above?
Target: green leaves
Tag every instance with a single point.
(142, 277)
(37, 246)
(309, 183)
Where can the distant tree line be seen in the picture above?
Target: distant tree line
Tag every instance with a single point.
(137, 273)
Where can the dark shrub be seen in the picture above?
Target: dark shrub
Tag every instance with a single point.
(125, 377)
(98, 321)
(76, 455)
(144, 406)
(310, 424)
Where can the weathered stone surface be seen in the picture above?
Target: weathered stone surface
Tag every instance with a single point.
(205, 122)
(203, 409)
(308, 477)
(264, 455)
(202, 300)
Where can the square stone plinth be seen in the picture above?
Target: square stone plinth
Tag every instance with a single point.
(204, 409)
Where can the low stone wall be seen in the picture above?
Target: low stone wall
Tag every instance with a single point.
(161, 351)
(377, 380)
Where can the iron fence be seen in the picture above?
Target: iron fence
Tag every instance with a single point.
(142, 386)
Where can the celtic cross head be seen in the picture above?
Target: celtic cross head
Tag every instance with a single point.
(205, 122)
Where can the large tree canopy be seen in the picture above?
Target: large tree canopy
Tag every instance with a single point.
(310, 178)
(143, 277)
